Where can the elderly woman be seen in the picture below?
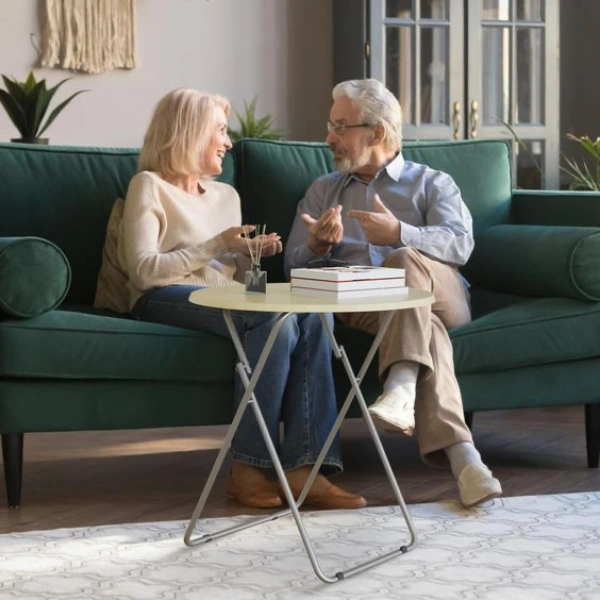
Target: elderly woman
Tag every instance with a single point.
(181, 231)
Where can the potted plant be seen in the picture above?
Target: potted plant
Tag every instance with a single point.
(582, 176)
(26, 104)
(251, 127)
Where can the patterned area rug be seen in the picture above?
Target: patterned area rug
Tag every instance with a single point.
(528, 548)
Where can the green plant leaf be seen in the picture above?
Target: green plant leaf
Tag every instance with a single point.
(14, 112)
(16, 91)
(52, 90)
(234, 135)
(592, 183)
(265, 122)
(582, 176)
(30, 83)
(58, 110)
(251, 109)
(525, 148)
(31, 108)
(580, 179)
(26, 98)
(252, 127)
(41, 106)
(591, 147)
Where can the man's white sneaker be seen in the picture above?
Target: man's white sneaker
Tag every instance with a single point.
(476, 484)
(393, 409)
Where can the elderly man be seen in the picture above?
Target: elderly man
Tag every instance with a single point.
(378, 209)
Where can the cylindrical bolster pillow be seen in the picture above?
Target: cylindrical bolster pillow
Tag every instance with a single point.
(34, 276)
(538, 260)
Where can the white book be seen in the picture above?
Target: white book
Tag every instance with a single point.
(346, 286)
(350, 273)
(398, 292)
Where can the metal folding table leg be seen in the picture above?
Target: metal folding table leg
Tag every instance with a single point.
(248, 398)
(243, 369)
(340, 353)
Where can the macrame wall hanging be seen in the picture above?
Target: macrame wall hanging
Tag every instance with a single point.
(90, 35)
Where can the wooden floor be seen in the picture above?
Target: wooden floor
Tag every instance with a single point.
(94, 478)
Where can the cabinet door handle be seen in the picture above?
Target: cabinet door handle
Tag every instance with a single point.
(474, 118)
(456, 119)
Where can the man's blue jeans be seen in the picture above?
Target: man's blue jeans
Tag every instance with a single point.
(296, 385)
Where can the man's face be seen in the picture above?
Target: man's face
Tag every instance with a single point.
(351, 148)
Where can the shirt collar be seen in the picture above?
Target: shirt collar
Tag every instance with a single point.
(393, 169)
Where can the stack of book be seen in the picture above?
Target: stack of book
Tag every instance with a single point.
(349, 282)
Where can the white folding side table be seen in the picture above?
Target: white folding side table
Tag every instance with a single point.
(279, 299)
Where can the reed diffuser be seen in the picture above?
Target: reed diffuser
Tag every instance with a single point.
(256, 279)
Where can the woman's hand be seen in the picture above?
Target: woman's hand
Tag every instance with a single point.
(266, 245)
(271, 246)
(235, 239)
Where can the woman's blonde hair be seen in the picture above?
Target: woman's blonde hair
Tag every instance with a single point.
(180, 131)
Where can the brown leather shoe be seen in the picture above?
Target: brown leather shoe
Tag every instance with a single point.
(251, 487)
(327, 495)
(333, 497)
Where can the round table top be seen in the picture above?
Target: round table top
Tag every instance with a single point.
(280, 299)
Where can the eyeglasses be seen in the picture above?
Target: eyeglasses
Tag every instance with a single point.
(341, 128)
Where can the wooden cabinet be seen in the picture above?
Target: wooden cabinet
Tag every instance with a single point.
(463, 69)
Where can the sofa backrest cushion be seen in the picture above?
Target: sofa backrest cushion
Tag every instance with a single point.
(65, 194)
(538, 261)
(111, 289)
(480, 168)
(272, 177)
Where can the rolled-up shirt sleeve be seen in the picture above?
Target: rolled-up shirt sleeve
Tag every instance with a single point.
(448, 231)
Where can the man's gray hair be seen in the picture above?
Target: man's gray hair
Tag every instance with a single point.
(376, 105)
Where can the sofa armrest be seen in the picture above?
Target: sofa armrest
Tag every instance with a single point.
(34, 276)
(534, 207)
(538, 261)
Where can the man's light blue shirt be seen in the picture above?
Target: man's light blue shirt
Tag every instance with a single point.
(427, 203)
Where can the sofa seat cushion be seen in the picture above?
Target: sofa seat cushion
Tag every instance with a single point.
(527, 333)
(531, 332)
(72, 344)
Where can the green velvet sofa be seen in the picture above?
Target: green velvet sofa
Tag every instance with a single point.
(64, 366)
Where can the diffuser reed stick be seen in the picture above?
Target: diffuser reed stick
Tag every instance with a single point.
(246, 231)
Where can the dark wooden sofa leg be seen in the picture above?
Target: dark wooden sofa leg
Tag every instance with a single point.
(469, 420)
(592, 434)
(12, 454)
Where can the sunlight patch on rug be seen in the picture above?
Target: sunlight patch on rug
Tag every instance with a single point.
(526, 548)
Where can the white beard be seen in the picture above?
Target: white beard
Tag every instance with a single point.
(346, 164)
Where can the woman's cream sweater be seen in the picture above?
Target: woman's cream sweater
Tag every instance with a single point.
(168, 236)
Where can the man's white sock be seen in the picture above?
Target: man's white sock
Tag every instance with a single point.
(402, 379)
(460, 455)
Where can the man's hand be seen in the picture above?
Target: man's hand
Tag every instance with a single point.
(325, 231)
(381, 227)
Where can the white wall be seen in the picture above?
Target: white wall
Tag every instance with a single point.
(278, 49)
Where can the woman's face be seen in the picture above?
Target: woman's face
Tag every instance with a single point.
(218, 146)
